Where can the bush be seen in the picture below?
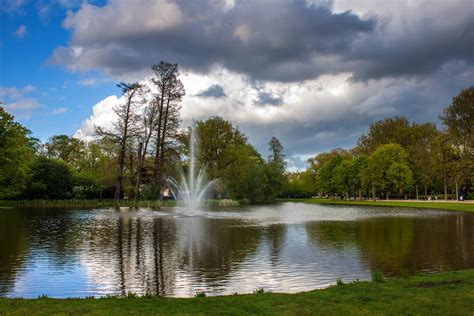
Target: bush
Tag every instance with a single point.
(49, 179)
(377, 277)
(200, 294)
(260, 290)
(85, 187)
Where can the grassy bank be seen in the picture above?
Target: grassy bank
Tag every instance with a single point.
(107, 203)
(450, 293)
(453, 206)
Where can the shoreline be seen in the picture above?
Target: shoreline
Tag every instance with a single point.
(464, 206)
(441, 293)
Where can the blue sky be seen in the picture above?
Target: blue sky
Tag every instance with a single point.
(314, 73)
(62, 101)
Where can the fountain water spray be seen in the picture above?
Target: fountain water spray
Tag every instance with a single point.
(191, 188)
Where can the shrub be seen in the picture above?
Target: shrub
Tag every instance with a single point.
(200, 294)
(260, 290)
(377, 277)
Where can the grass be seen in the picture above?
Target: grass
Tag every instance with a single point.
(452, 206)
(449, 293)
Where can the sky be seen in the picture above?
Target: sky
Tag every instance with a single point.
(313, 73)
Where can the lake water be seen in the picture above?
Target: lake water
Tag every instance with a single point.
(286, 247)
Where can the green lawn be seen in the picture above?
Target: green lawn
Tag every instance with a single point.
(450, 293)
(453, 206)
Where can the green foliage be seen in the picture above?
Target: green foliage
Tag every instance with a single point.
(377, 277)
(15, 154)
(380, 161)
(458, 117)
(50, 179)
(300, 185)
(339, 282)
(399, 176)
(260, 290)
(200, 294)
(85, 186)
(241, 172)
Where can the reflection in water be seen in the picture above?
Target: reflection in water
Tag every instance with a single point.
(286, 248)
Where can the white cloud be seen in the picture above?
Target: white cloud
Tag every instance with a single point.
(121, 18)
(102, 115)
(21, 31)
(314, 115)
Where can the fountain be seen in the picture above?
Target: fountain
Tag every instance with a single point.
(190, 189)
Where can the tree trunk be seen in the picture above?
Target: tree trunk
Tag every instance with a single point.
(416, 188)
(123, 148)
(457, 190)
(373, 193)
(159, 132)
(139, 171)
(445, 185)
(387, 197)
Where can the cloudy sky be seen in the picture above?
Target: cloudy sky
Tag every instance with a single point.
(314, 73)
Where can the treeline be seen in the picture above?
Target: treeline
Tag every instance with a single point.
(134, 159)
(399, 159)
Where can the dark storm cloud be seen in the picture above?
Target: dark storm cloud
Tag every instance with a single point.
(267, 40)
(214, 91)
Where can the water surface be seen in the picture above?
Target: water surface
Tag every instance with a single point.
(287, 247)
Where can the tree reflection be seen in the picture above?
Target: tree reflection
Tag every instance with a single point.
(398, 243)
(212, 247)
(13, 247)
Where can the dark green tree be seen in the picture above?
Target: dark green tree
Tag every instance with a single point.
(15, 154)
(49, 179)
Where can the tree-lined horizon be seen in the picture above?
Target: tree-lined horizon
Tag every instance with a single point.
(394, 158)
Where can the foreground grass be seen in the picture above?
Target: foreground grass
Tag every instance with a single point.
(453, 206)
(450, 293)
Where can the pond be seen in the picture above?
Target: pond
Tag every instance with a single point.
(287, 247)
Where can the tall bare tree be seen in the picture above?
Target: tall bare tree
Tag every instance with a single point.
(169, 93)
(125, 127)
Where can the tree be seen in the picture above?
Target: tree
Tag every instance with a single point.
(356, 168)
(327, 181)
(275, 169)
(341, 177)
(148, 128)
(458, 117)
(399, 176)
(68, 149)
(219, 144)
(49, 179)
(276, 156)
(416, 139)
(392, 130)
(125, 127)
(169, 93)
(15, 154)
(380, 161)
